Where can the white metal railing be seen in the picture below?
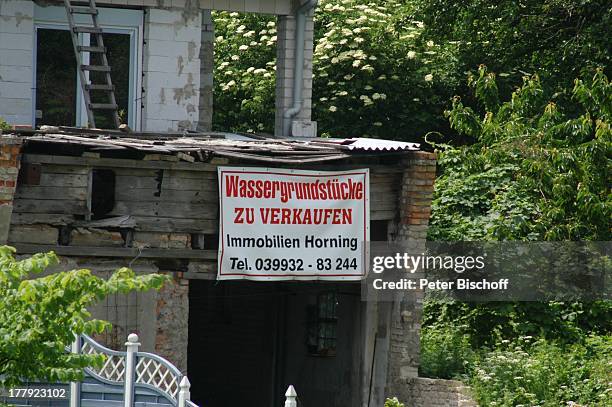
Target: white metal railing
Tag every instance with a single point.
(133, 368)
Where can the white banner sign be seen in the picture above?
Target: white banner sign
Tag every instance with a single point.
(279, 224)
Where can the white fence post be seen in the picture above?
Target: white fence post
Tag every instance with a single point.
(291, 396)
(130, 367)
(184, 395)
(75, 387)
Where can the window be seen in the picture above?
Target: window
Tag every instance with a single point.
(102, 193)
(322, 325)
(58, 95)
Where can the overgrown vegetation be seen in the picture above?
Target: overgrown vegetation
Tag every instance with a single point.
(538, 170)
(40, 316)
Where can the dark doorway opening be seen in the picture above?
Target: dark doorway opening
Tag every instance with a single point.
(249, 341)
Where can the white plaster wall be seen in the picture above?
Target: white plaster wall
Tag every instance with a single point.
(285, 67)
(171, 69)
(16, 60)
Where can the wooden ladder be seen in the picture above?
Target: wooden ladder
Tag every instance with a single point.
(99, 49)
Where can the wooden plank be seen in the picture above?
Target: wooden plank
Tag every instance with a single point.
(161, 224)
(127, 252)
(50, 206)
(167, 209)
(382, 215)
(42, 192)
(63, 169)
(38, 234)
(116, 163)
(35, 218)
(153, 195)
(65, 180)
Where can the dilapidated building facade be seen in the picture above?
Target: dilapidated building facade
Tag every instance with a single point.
(161, 55)
(104, 199)
(148, 198)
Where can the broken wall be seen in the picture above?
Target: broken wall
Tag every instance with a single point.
(171, 69)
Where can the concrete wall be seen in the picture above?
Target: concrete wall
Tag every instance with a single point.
(423, 392)
(207, 64)
(171, 69)
(16, 42)
(246, 6)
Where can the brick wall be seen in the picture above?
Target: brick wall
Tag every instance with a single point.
(171, 69)
(415, 209)
(10, 148)
(16, 58)
(435, 393)
(172, 329)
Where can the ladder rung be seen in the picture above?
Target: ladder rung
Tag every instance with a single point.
(83, 10)
(99, 87)
(103, 106)
(83, 48)
(98, 68)
(90, 30)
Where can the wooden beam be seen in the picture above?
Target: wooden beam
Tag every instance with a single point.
(125, 252)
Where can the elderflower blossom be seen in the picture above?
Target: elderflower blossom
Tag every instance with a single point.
(333, 108)
(428, 77)
(411, 54)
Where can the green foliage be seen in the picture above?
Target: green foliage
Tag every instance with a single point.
(4, 125)
(536, 171)
(373, 73)
(556, 39)
(40, 316)
(527, 372)
(446, 351)
(394, 402)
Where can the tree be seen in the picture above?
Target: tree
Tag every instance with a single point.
(373, 73)
(39, 317)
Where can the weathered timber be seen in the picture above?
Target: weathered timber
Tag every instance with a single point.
(160, 224)
(166, 195)
(129, 252)
(50, 206)
(44, 192)
(35, 218)
(167, 209)
(66, 180)
(38, 234)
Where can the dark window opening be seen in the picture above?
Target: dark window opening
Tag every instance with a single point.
(56, 78)
(102, 193)
(322, 325)
(379, 230)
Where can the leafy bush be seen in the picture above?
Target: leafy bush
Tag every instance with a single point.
(394, 402)
(40, 316)
(446, 351)
(4, 125)
(526, 372)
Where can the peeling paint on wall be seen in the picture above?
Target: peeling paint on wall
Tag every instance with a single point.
(180, 64)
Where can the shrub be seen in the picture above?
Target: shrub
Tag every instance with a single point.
(446, 352)
(394, 402)
(538, 372)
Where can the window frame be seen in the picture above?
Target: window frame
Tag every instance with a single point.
(113, 21)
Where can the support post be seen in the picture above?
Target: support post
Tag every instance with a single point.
(75, 387)
(132, 345)
(291, 396)
(184, 395)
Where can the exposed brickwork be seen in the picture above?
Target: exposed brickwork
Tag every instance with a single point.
(435, 393)
(415, 210)
(172, 322)
(10, 150)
